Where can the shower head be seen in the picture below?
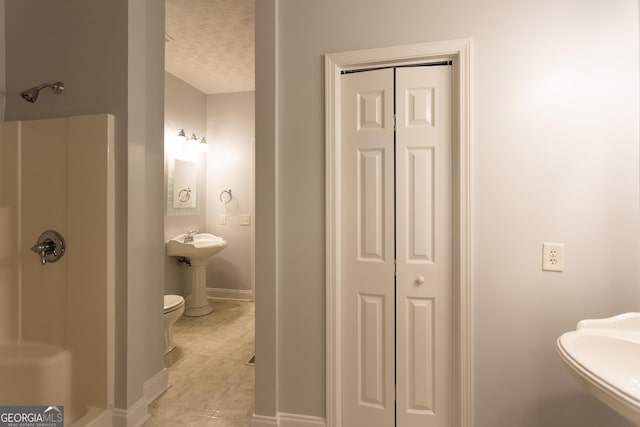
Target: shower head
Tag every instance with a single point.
(31, 95)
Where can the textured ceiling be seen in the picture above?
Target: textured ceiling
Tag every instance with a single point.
(213, 44)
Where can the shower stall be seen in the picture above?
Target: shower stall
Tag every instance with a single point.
(57, 318)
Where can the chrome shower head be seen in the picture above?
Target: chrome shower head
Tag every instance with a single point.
(31, 95)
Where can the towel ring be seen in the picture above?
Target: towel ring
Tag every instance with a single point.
(184, 195)
(228, 198)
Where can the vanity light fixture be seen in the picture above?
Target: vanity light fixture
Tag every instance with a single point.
(193, 141)
(202, 146)
(182, 138)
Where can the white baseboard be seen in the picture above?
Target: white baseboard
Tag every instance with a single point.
(156, 385)
(138, 413)
(287, 420)
(95, 417)
(134, 416)
(263, 421)
(295, 420)
(230, 294)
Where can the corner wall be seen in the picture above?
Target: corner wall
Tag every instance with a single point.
(145, 196)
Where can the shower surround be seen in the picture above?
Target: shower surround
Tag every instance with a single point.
(57, 319)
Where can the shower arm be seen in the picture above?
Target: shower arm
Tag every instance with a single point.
(57, 87)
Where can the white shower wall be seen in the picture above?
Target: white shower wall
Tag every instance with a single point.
(59, 174)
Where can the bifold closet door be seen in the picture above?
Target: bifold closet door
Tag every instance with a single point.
(368, 249)
(396, 255)
(423, 246)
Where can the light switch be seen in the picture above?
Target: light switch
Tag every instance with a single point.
(223, 220)
(245, 219)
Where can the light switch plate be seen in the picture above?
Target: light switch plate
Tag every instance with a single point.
(245, 219)
(223, 220)
(553, 257)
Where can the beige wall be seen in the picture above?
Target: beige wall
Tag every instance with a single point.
(554, 158)
(266, 380)
(230, 128)
(3, 85)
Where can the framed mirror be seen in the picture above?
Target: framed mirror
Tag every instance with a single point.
(182, 188)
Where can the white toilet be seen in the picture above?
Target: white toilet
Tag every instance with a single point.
(173, 309)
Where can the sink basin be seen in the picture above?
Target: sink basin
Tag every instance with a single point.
(204, 245)
(605, 356)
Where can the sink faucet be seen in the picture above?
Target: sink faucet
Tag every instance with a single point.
(188, 238)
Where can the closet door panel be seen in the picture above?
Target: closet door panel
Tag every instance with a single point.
(423, 244)
(368, 249)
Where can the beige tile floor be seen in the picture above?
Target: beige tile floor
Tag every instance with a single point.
(211, 383)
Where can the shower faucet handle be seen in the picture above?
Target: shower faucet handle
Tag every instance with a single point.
(50, 246)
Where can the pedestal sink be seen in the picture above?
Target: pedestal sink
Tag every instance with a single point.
(199, 249)
(604, 354)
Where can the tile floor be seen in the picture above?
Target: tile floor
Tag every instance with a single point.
(211, 383)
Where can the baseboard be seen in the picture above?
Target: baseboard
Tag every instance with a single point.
(263, 421)
(295, 420)
(95, 417)
(134, 416)
(230, 294)
(287, 420)
(156, 385)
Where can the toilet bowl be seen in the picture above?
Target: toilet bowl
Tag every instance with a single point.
(173, 309)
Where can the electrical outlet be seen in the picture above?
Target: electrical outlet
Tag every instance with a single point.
(553, 257)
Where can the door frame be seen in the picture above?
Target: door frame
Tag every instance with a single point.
(459, 52)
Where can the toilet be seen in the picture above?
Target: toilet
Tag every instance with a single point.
(173, 309)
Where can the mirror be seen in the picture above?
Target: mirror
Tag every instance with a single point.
(182, 188)
(184, 184)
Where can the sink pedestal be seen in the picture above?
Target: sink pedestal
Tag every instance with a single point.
(199, 304)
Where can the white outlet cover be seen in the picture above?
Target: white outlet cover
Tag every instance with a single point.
(553, 257)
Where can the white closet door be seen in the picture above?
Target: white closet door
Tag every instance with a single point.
(423, 246)
(368, 249)
(396, 247)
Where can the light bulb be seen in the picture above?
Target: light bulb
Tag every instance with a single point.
(203, 146)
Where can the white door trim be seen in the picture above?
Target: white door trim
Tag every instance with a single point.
(459, 51)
